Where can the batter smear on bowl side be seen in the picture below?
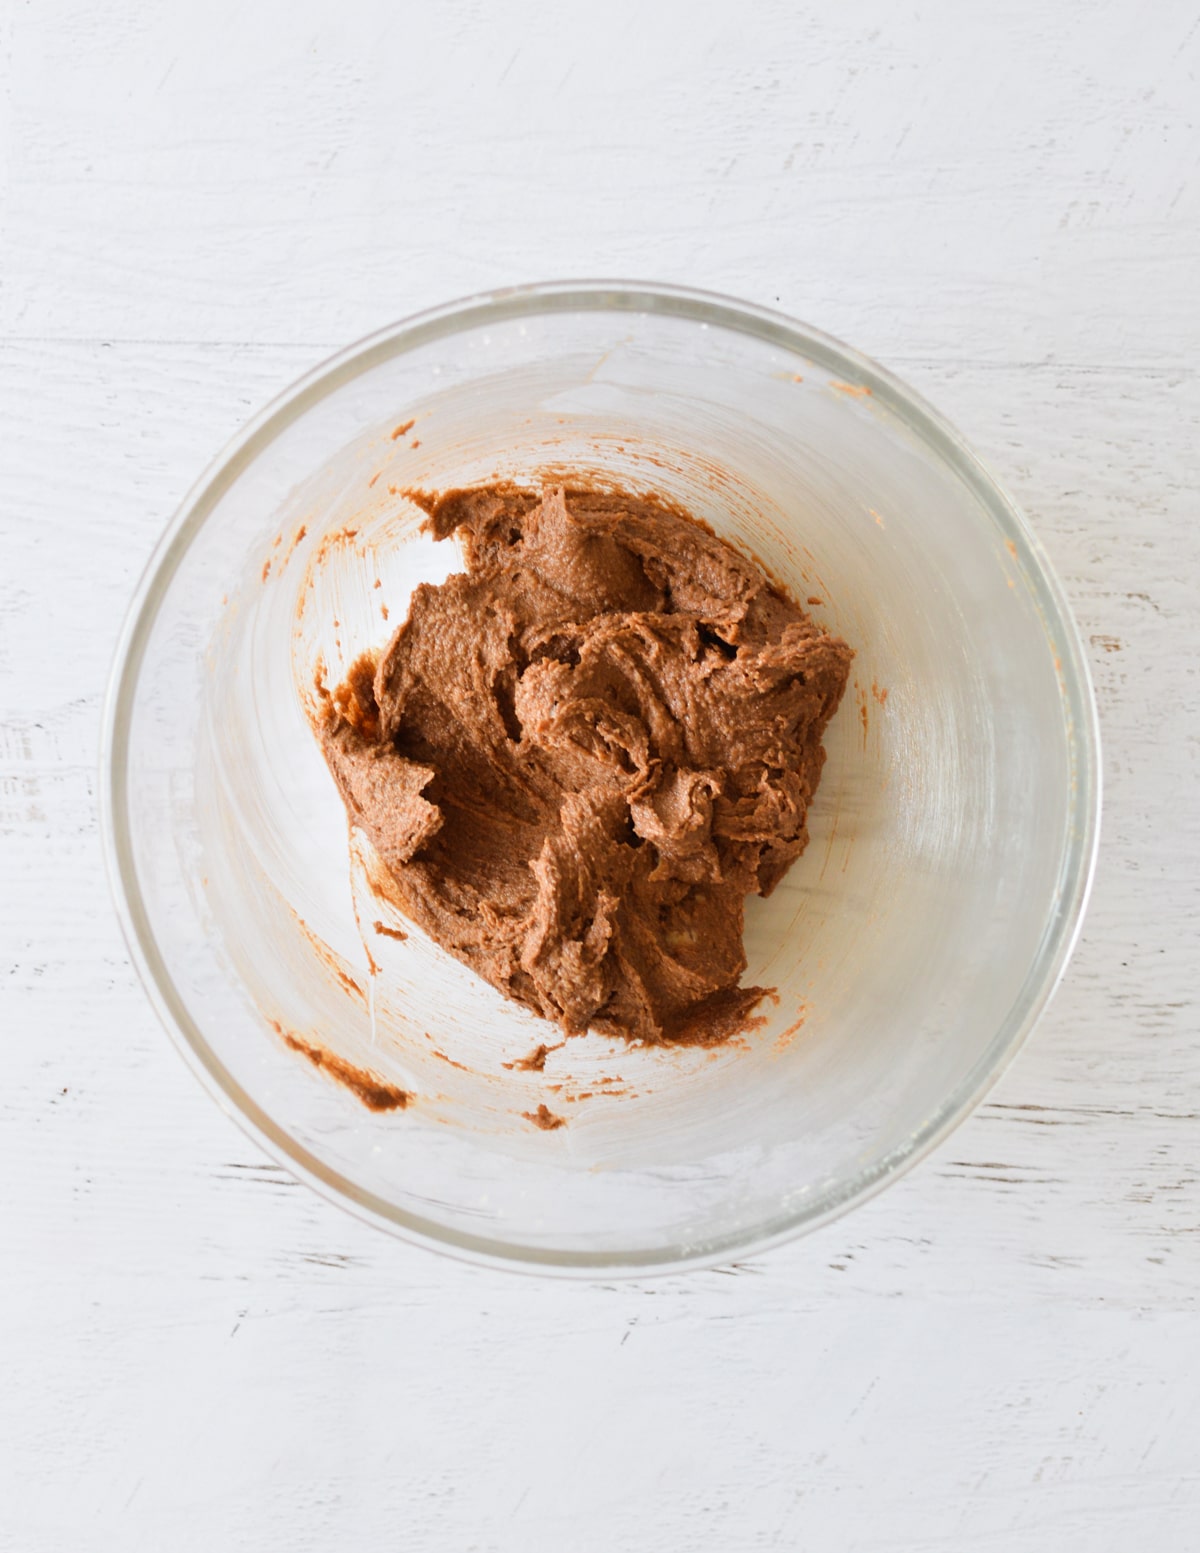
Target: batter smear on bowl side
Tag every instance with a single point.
(577, 757)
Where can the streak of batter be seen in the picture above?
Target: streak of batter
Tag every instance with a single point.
(577, 757)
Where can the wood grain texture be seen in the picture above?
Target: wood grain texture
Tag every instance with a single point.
(1000, 1352)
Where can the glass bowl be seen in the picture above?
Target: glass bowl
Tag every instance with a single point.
(912, 946)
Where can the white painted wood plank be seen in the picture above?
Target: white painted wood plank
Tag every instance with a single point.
(1026, 176)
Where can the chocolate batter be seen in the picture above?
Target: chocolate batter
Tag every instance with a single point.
(375, 1093)
(577, 757)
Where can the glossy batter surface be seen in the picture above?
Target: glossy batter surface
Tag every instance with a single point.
(577, 757)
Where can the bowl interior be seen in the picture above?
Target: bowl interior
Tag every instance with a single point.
(909, 947)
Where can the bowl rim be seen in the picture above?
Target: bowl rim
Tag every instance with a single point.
(1077, 867)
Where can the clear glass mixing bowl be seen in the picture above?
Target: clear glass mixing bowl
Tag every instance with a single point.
(912, 946)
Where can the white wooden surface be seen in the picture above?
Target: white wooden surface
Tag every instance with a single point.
(196, 204)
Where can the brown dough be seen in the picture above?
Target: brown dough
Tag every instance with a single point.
(577, 757)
